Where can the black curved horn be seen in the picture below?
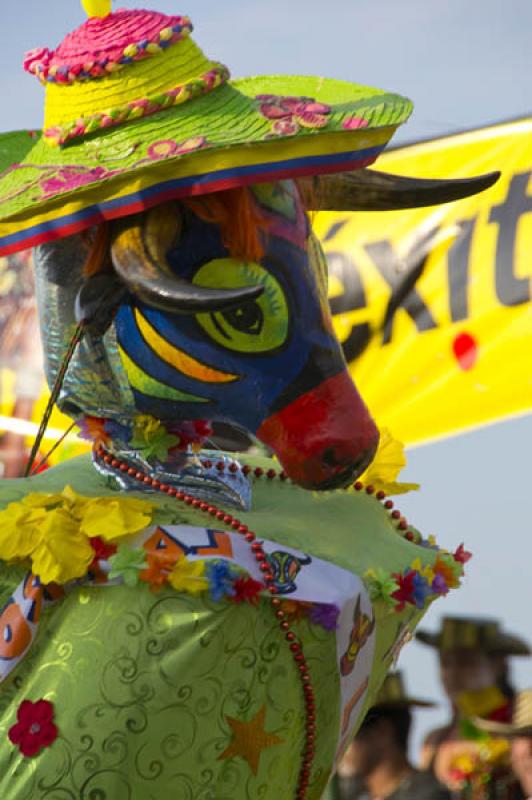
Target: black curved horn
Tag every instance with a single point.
(368, 190)
(139, 245)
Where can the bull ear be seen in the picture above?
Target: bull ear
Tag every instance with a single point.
(139, 247)
(368, 190)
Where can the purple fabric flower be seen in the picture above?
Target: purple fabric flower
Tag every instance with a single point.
(325, 614)
(439, 585)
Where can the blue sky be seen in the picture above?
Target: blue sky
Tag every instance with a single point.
(463, 63)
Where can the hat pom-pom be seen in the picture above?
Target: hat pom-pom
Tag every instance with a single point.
(97, 8)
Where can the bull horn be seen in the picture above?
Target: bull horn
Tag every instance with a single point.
(367, 190)
(139, 247)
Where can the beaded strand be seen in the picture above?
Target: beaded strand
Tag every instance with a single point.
(257, 549)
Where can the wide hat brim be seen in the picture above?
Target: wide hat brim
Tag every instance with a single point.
(217, 141)
(503, 729)
(503, 644)
(406, 702)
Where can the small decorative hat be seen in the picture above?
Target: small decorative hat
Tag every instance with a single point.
(474, 633)
(521, 724)
(135, 114)
(392, 694)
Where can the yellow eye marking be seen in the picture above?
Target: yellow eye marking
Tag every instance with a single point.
(177, 358)
(151, 387)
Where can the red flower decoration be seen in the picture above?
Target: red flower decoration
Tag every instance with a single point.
(405, 591)
(34, 729)
(461, 555)
(102, 550)
(247, 590)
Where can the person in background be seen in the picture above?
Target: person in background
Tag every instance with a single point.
(20, 353)
(473, 654)
(376, 765)
(519, 732)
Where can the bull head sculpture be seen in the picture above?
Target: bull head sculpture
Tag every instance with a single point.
(206, 335)
(202, 334)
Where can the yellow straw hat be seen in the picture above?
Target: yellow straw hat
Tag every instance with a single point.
(521, 724)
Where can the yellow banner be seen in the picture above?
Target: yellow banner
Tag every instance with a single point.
(433, 306)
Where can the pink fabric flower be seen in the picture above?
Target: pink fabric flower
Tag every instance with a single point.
(69, 178)
(309, 119)
(285, 127)
(352, 123)
(35, 728)
(271, 111)
(288, 114)
(162, 149)
(190, 145)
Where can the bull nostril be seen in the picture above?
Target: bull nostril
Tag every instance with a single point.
(329, 457)
(343, 472)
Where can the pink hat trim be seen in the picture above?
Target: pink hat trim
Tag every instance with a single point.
(97, 47)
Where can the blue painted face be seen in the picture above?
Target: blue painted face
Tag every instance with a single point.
(237, 365)
(260, 364)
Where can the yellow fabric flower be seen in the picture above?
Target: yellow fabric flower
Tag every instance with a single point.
(62, 552)
(187, 576)
(19, 527)
(388, 462)
(74, 500)
(145, 426)
(112, 518)
(43, 500)
(53, 530)
(427, 571)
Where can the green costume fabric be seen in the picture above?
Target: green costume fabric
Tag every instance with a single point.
(147, 686)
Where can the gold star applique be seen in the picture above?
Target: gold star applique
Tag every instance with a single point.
(249, 739)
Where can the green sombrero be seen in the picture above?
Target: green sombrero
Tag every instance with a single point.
(474, 633)
(135, 114)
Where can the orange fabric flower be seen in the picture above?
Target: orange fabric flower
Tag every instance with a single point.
(443, 568)
(160, 564)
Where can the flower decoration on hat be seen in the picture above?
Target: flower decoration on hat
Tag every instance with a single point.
(289, 114)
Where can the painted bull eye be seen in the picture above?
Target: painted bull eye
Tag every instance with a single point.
(246, 319)
(259, 326)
